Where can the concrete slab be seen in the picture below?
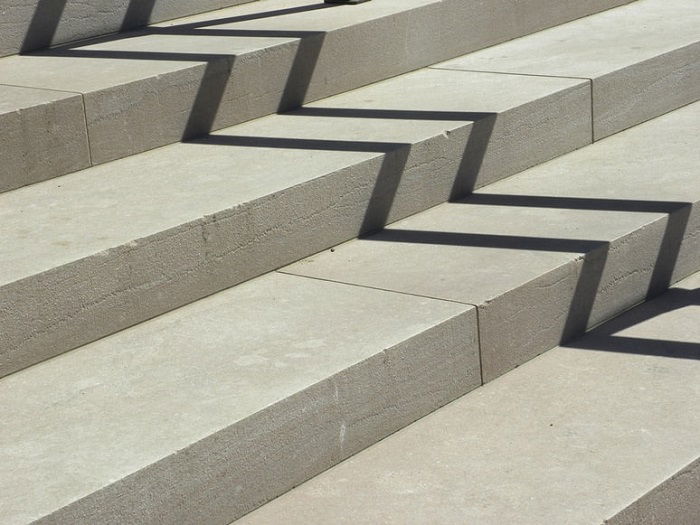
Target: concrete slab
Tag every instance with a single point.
(148, 89)
(643, 59)
(247, 392)
(574, 436)
(42, 135)
(92, 252)
(550, 251)
(35, 24)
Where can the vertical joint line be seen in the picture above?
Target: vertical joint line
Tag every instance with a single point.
(87, 130)
(593, 139)
(478, 342)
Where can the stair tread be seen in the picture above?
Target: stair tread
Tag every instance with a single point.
(643, 59)
(145, 89)
(76, 424)
(545, 222)
(103, 207)
(574, 436)
(122, 242)
(34, 24)
(630, 179)
(252, 330)
(595, 45)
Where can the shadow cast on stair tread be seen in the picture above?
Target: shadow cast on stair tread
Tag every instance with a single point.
(595, 253)
(47, 17)
(604, 338)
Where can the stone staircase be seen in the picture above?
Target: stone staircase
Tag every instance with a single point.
(183, 334)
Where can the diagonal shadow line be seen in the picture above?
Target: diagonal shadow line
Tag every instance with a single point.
(79, 52)
(591, 273)
(299, 143)
(467, 176)
(390, 114)
(300, 74)
(633, 345)
(605, 338)
(217, 74)
(384, 191)
(209, 98)
(669, 251)
(484, 240)
(576, 203)
(43, 25)
(136, 16)
(673, 299)
(583, 299)
(246, 18)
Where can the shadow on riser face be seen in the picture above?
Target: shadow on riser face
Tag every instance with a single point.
(607, 338)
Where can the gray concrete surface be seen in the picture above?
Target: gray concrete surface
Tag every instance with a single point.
(248, 392)
(643, 59)
(574, 436)
(93, 252)
(184, 78)
(548, 252)
(42, 135)
(33, 24)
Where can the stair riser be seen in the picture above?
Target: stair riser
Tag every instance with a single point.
(241, 467)
(641, 92)
(673, 501)
(77, 303)
(586, 292)
(159, 110)
(40, 139)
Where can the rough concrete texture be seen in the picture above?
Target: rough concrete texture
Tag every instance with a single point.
(33, 24)
(643, 59)
(572, 437)
(674, 502)
(42, 135)
(203, 414)
(212, 71)
(90, 253)
(548, 252)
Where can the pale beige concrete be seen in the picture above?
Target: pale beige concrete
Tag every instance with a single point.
(93, 252)
(643, 59)
(572, 437)
(42, 135)
(552, 250)
(248, 392)
(148, 89)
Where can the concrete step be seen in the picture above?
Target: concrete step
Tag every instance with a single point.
(549, 252)
(643, 59)
(33, 24)
(149, 88)
(606, 429)
(93, 252)
(205, 413)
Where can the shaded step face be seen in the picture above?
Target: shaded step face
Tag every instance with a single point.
(111, 246)
(146, 89)
(607, 423)
(41, 23)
